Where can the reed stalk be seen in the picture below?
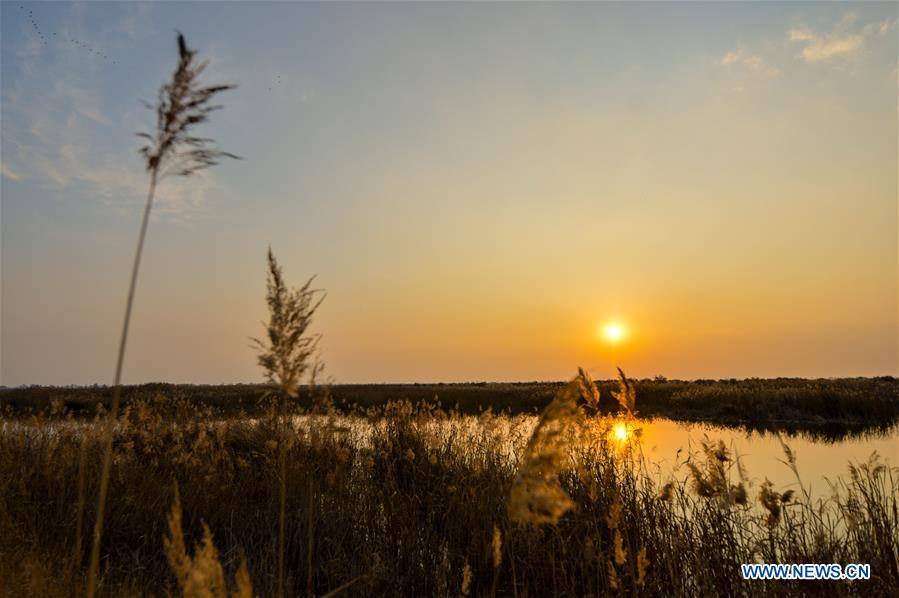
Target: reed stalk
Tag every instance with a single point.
(172, 150)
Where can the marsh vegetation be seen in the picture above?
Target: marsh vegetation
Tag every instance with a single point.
(828, 406)
(415, 500)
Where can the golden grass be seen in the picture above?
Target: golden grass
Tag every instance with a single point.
(412, 501)
(200, 575)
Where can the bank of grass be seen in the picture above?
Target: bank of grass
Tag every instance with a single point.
(759, 403)
(406, 500)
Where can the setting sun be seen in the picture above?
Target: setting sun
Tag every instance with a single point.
(613, 332)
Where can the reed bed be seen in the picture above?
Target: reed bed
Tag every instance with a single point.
(405, 500)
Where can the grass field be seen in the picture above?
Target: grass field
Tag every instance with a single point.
(404, 500)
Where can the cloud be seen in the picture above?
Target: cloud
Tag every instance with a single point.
(800, 35)
(825, 49)
(841, 42)
(9, 173)
(730, 58)
(742, 58)
(881, 28)
(65, 137)
(65, 159)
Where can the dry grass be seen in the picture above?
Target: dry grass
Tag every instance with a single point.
(200, 575)
(405, 500)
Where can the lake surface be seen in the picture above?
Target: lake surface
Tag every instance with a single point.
(762, 454)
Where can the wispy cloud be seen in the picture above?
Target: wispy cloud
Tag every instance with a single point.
(9, 173)
(818, 49)
(64, 150)
(800, 35)
(844, 41)
(742, 58)
(881, 28)
(62, 135)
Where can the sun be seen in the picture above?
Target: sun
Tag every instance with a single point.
(613, 332)
(620, 432)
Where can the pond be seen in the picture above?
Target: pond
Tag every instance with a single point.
(666, 444)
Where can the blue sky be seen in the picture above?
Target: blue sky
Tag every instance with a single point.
(477, 186)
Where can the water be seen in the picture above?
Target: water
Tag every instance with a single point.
(761, 453)
(665, 445)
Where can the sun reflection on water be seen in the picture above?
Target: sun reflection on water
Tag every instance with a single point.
(624, 434)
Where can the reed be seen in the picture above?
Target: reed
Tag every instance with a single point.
(171, 150)
(287, 356)
(200, 575)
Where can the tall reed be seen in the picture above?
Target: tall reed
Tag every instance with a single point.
(287, 355)
(172, 149)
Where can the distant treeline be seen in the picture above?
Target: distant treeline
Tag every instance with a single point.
(845, 401)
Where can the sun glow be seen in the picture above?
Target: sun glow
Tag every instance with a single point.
(613, 332)
(625, 433)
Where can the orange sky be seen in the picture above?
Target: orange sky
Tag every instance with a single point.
(478, 187)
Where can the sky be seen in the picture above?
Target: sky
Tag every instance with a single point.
(480, 188)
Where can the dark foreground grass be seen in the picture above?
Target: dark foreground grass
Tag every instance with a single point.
(760, 403)
(404, 501)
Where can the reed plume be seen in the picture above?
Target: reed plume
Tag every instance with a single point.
(626, 395)
(183, 103)
(288, 351)
(200, 575)
(287, 355)
(536, 496)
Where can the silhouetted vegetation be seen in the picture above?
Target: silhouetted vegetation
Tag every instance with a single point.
(830, 406)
